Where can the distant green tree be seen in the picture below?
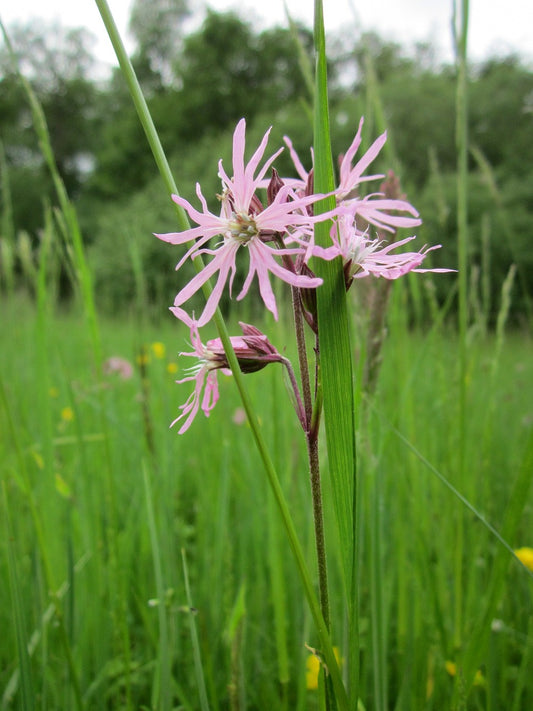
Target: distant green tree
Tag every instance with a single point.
(58, 63)
(157, 27)
(501, 114)
(226, 72)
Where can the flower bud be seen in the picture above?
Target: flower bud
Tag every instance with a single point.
(275, 185)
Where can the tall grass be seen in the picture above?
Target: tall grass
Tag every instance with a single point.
(212, 501)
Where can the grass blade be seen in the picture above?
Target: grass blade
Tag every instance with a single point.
(26, 680)
(335, 351)
(165, 659)
(200, 681)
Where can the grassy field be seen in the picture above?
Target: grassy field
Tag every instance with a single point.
(149, 570)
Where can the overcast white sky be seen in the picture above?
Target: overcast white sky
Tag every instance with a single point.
(495, 26)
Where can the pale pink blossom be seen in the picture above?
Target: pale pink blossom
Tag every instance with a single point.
(118, 365)
(300, 184)
(204, 375)
(363, 256)
(253, 351)
(243, 222)
(374, 208)
(352, 176)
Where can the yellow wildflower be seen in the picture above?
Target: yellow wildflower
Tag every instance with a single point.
(312, 667)
(158, 349)
(172, 368)
(67, 414)
(451, 668)
(525, 556)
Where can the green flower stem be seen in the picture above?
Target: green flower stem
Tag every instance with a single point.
(164, 169)
(311, 435)
(302, 355)
(335, 362)
(318, 519)
(461, 137)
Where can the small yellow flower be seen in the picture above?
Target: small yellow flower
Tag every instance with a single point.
(172, 368)
(158, 349)
(451, 668)
(53, 392)
(525, 556)
(479, 679)
(67, 414)
(313, 665)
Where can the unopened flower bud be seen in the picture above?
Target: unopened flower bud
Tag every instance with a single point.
(253, 350)
(275, 185)
(391, 187)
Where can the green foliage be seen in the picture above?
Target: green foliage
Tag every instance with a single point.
(208, 497)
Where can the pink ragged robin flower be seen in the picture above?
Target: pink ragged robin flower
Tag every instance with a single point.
(253, 350)
(363, 256)
(375, 208)
(243, 222)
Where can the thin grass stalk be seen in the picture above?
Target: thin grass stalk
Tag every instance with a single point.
(279, 597)
(198, 669)
(377, 602)
(461, 138)
(234, 635)
(41, 339)
(17, 602)
(525, 670)
(7, 226)
(162, 164)
(335, 359)
(279, 601)
(303, 59)
(487, 173)
(164, 702)
(375, 108)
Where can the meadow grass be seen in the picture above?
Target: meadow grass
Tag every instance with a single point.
(206, 495)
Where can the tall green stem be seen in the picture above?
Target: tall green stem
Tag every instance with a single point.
(336, 361)
(461, 28)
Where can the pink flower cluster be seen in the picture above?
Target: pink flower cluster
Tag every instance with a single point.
(278, 237)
